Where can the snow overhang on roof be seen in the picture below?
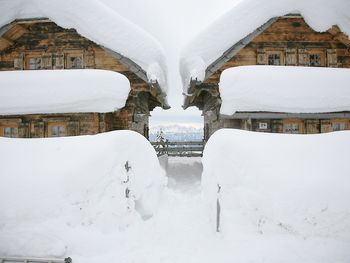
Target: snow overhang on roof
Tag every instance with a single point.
(284, 90)
(230, 33)
(139, 51)
(62, 91)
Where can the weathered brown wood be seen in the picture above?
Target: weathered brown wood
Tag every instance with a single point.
(296, 43)
(54, 47)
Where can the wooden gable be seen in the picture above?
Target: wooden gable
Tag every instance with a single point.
(281, 41)
(42, 44)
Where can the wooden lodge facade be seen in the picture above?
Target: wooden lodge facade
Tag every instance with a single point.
(282, 41)
(40, 44)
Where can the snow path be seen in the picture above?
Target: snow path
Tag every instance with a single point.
(184, 174)
(176, 233)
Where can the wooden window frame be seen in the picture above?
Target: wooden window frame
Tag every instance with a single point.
(275, 52)
(51, 125)
(75, 54)
(27, 59)
(319, 53)
(293, 122)
(338, 122)
(8, 125)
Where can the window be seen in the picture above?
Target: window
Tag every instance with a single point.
(315, 60)
(291, 128)
(339, 126)
(34, 63)
(263, 126)
(10, 132)
(57, 131)
(274, 59)
(74, 62)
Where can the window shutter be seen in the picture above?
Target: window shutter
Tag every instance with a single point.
(332, 58)
(89, 59)
(18, 62)
(58, 61)
(291, 57)
(261, 57)
(72, 128)
(46, 61)
(303, 57)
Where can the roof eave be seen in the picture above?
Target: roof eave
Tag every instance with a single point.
(161, 96)
(232, 51)
(286, 115)
(191, 93)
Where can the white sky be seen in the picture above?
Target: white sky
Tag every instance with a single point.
(173, 23)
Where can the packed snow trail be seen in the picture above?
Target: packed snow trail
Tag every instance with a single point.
(184, 174)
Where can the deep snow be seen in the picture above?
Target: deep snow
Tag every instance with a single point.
(284, 89)
(62, 91)
(260, 223)
(283, 197)
(67, 196)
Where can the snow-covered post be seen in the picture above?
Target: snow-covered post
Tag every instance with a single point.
(218, 209)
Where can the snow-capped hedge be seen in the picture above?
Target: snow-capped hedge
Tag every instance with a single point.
(284, 89)
(284, 198)
(67, 196)
(62, 91)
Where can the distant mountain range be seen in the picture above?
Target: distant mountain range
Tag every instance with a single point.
(177, 132)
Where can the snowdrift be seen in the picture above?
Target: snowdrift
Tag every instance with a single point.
(62, 91)
(304, 89)
(285, 197)
(67, 196)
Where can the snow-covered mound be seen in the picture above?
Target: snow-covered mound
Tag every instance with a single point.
(62, 91)
(245, 18)
(285, 197)
(99, 23)
(284, 89)
(67, 196)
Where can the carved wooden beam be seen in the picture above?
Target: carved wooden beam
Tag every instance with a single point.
(339, 35)
(7, 41)
(22, 28)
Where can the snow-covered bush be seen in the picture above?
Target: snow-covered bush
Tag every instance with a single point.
(280, 192)
(59, 196)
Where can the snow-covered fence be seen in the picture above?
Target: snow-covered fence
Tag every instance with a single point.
(34, 260)
(181, 149)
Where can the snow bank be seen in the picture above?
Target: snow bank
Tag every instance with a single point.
(285, 197)
(99, 23)
(245, 18)
(284, 89)
(62, 91)
(67, 196)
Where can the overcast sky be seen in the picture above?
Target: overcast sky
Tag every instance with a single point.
(173, 23)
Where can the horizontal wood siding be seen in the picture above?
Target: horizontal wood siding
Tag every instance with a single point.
(53, 47)
(294, 41)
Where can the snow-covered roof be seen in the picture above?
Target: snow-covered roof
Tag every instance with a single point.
(62, 91)
(245, 18)
(99, 23)
(284, 89)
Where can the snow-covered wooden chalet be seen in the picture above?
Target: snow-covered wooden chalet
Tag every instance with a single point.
(312, 33)
(69, 35)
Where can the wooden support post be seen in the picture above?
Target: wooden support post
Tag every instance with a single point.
(218, 210)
